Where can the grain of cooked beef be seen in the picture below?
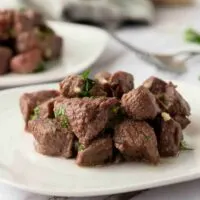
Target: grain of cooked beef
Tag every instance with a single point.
(27, 62)
(182, 120)
(51, 138)
(87, 116)
(52, 46)
(136, 140)
(5, 55)
(169, 136)
(26, 20)
(99, 152)
(97, 91)
(173, 103)
(140, 104)
(29, 101)
(155, 85)
(115, 84)
(71, 86)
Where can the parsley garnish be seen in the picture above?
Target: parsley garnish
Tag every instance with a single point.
(147, 137)
(85, 74)
(88, 84)
(81, 147)
(60, 113)
(184, 146)
(115, 109)
(192, 36)
(36, 113)
(40, 68)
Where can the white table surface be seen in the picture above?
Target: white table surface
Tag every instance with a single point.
(164, 35)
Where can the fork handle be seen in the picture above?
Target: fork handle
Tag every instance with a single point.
(147, 57)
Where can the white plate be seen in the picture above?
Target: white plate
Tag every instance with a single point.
(82, 46)
(22, 167)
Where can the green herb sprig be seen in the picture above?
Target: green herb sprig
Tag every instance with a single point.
(40, 68)
(88, 84)
(60, 113)
(36, 113)
(192, 35)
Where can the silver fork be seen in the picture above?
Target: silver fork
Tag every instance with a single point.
(166, 62)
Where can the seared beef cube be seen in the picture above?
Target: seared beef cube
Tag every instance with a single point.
(52, 47)
(173, 103)
(87, 116)
(155, 85)
(71, 86)
(6, 21)
(26, 20)
(117, 84)
(169, 137)
(121, 83)
(27, 62)
(5, 56)
(140, 104)
(182, 120)
(97, 91)
(136, 141)
(29, 101)
(28, 40)
(98, 152)
(46, 109)
(51, 138)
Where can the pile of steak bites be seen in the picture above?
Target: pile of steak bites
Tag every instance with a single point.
(26, 41)
(106, 120)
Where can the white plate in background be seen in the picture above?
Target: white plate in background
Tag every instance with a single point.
(22, 167)
(82, 47)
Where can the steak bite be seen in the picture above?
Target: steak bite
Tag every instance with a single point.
(155, 85)
(182, 120)
(29, 101)
(99, 152)
(173, 103)
(52, 46)
(28, 40)
(5, 56)
(75, 86)
(169, 136)
(140, 104)
(6, 22)
(71, 86)
(26, 20)
(116, 84)
(121, 83)
(86, 116)
(136, 141)
(27, 62)
(51, 138)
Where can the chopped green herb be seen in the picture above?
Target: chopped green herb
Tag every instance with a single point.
(184, 146)
(192, 36)
(85, 74)
(87, 87)
(36, 113)
(60, 113)
(12, 32)
(147, 137)
(115, 109)
(41, 67)
(22, 9)
(81, 147)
